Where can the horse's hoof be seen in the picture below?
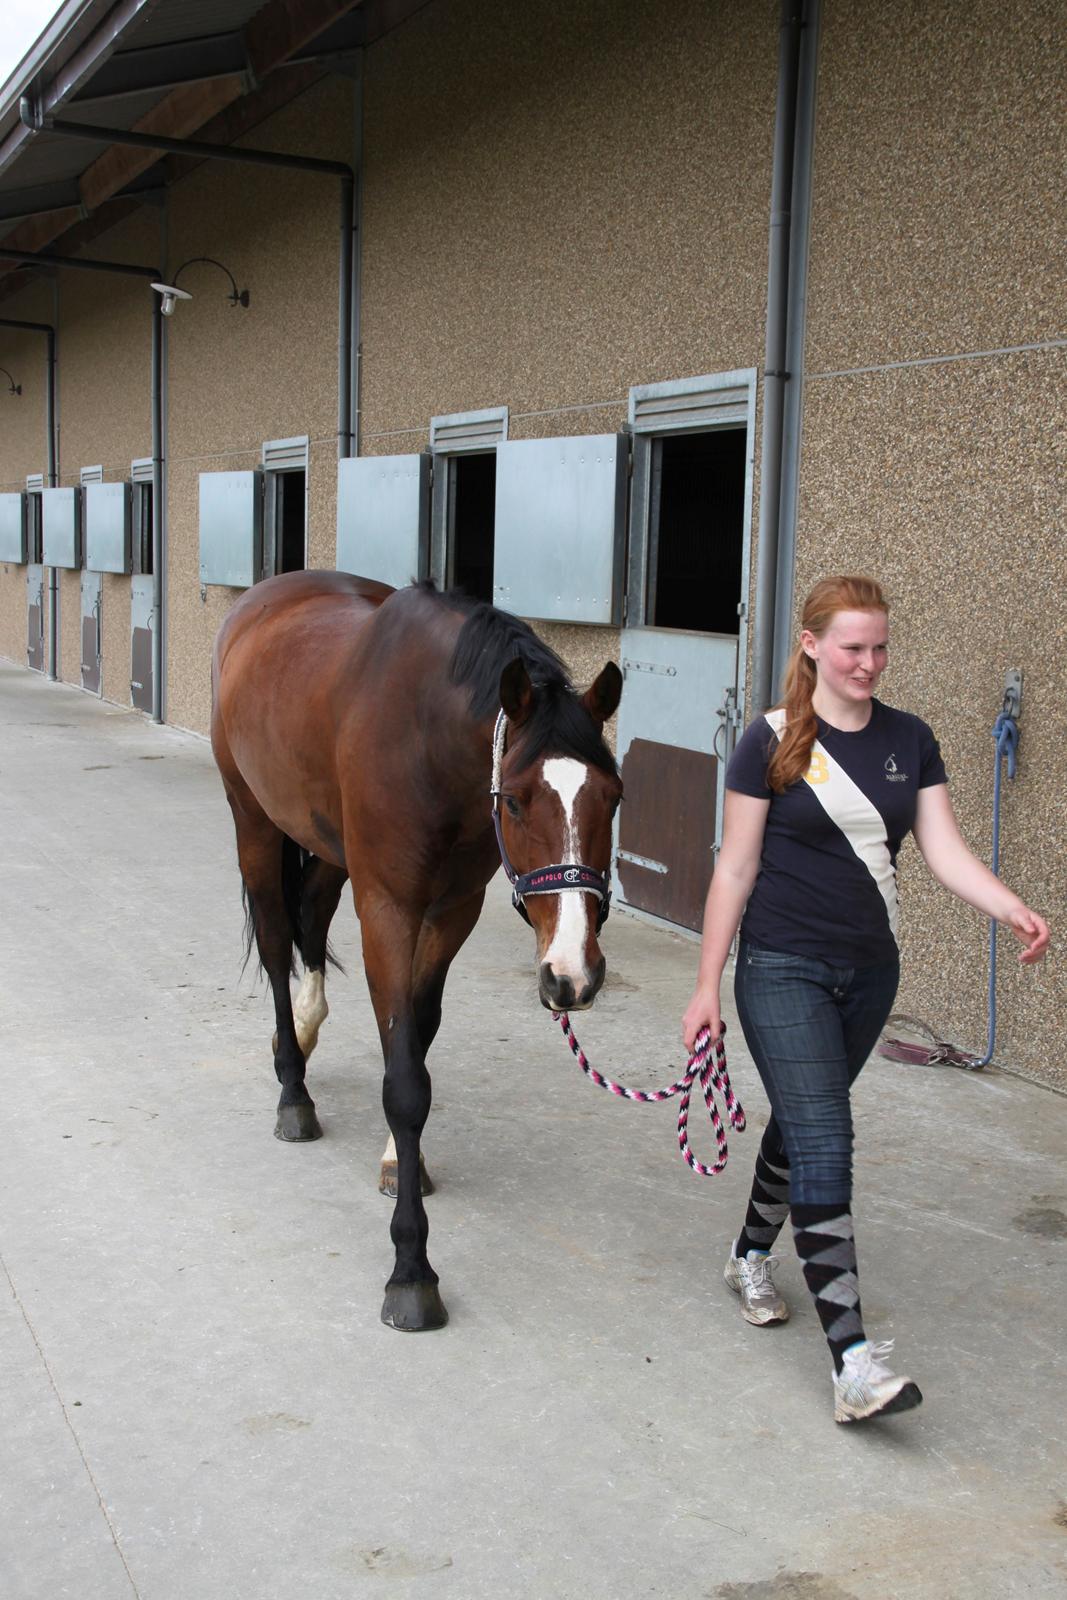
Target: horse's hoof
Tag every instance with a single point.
(387, 1181)
(297, 1124)
(413, 1307)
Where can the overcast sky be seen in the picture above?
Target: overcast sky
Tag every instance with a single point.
(22, 23)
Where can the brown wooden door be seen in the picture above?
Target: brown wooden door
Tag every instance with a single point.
(667, 830)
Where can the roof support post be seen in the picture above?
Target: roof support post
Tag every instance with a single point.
(348, 317)
(129, 270)
(49, 332)
(158, 521)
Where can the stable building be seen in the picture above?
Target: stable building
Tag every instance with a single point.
(631, 319)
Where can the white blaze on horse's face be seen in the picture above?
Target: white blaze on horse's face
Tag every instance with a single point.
(571, 966)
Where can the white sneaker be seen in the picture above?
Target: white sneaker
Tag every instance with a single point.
(865, 1387)
(750, 1277)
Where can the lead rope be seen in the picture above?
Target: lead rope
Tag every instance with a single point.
(704, 1066)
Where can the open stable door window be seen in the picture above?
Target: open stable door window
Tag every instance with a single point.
(34, 521)
(463, 502)
(36, 616)
(472, 523)
(285, 478)
(696, 530)
(683, 648)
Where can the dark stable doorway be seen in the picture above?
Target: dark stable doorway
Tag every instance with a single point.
(290, 521)
(472, 521)
(697, 531)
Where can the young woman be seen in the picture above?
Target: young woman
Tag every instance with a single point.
(820, 793)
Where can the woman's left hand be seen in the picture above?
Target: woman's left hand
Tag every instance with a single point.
(1032, 931)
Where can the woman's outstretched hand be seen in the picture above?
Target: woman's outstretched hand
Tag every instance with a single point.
(1032, 931)
(701, 1012)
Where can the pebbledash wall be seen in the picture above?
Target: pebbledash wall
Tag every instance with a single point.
(935, 406)
(560, 203)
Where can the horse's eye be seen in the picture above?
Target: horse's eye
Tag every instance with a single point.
(512, 805)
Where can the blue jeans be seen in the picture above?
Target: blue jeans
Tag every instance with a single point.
(810, 1027)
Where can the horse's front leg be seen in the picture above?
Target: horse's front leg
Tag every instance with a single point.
(412, 1301)
(440, 937)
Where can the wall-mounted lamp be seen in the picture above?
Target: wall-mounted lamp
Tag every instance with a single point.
(16, 388)
(172, 294)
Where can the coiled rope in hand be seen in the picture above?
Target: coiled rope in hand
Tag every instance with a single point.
(706, 1066)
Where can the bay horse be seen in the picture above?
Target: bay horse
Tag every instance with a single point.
(357, 729)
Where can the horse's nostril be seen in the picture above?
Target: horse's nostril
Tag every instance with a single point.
(559, 990)
(592, 988)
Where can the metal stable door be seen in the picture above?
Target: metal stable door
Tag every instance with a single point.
(35, 617)
(92, 631)
(142, 621)
(675, 735)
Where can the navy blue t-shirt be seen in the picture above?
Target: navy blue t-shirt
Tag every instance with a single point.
(827, 879)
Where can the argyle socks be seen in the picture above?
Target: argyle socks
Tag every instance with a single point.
(827, 1251)
(768, 1204)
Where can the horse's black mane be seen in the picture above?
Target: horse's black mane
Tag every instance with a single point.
(487, 641)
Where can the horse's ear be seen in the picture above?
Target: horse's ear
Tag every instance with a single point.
(516, 692)
(601, 699)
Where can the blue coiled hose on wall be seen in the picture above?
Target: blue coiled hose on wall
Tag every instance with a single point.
(1006, 734)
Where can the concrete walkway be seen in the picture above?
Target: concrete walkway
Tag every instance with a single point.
(197, 1398)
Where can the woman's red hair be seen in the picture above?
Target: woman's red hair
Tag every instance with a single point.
(793, 756)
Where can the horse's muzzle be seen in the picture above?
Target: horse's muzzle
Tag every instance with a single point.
(560, 993)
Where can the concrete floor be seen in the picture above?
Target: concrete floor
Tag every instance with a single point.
(198, 1399)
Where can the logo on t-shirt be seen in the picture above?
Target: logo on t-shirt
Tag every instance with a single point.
(893, 773)
(819, 771)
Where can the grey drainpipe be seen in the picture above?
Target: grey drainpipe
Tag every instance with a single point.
(353, 360)
(47, 259)
(348, 333)
(53, 464)
(345, 320)
(775, 373)
(348, 328)
(795, 318)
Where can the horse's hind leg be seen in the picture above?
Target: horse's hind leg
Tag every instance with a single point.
(319, 894)
(260, 847)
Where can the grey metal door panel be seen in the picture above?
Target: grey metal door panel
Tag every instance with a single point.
(35, 618)
(560, 520)
(673, 683)
(383, 517)
(13, 528)
(142, 622)
(231, 528)
(61, 521)
(106, 517)
(92, 631)
(674, 686)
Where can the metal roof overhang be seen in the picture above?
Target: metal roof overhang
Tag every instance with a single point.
(175, 68)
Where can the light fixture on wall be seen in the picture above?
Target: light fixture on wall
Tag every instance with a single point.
(16, 388)
(172, 294)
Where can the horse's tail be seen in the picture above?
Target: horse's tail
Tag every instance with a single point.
(295, 863)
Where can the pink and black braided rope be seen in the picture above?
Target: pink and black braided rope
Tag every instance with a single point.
(706, 1066)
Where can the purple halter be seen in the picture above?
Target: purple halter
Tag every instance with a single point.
(542, 880)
